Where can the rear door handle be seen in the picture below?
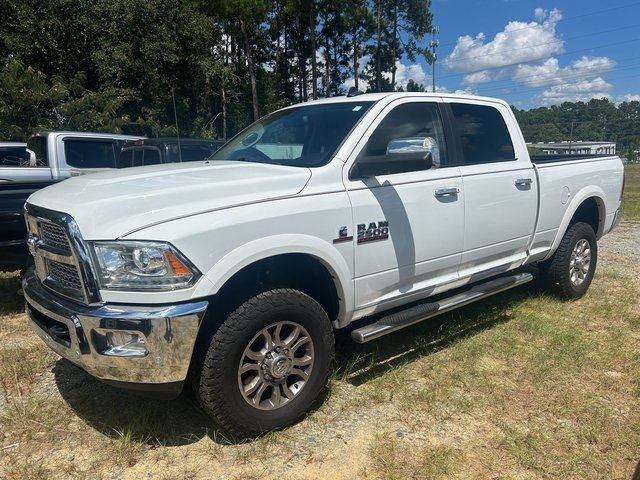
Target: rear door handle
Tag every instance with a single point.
(446, 192)
(523, 182)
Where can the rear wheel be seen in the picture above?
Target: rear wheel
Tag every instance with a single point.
(570, 270)
(267, 364)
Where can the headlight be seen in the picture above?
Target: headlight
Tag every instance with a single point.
(142, 266)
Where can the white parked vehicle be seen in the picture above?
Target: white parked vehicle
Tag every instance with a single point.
(238, 269)
(54, 156)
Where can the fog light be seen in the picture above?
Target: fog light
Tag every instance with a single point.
(125, 344)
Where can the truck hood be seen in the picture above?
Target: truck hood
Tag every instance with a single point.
(111, 204)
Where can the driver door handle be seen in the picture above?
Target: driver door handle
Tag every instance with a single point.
(446, 191)
(523, 182)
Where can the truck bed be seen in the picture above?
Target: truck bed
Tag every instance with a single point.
(541, 159)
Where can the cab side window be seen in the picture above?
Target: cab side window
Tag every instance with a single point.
(484, 136)
(410, 138)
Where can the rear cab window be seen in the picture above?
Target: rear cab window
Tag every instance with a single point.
(483, 134)
(80, 153)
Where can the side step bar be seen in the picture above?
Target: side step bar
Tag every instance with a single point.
(424, 311)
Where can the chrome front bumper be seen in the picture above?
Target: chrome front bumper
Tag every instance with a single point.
(82, 335)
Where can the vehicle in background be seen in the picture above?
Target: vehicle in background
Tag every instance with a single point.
(12, 154)
(47, 158)
(152, 151)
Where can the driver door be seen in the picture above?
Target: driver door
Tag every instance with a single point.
(409, 215)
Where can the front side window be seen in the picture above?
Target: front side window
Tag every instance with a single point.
(483, 134)
(89, 153)
(410, 138)
(305, 136)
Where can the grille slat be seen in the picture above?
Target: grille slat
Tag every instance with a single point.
(54, 236)
(65, 275)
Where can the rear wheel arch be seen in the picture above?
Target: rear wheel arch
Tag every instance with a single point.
(592, 212)
(587, 206)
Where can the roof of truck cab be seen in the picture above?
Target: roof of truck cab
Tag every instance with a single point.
(89, 134)
(374, 97)
(185, 140)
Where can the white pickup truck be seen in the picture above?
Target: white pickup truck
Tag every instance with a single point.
(234, 272)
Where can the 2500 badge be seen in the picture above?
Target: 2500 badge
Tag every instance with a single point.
(373, 232)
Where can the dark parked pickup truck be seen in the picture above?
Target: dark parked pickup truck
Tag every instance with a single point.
(152, 151)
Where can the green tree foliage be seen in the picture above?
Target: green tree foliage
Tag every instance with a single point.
(114, 65)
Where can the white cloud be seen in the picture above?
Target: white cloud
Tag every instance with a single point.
(580, 91)
(404, 73)
(550, 73)
(464, 91)
(628, 97)
(483, 76)
(519, 42)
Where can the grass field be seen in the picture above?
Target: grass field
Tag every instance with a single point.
(521, 386)
(631, 200)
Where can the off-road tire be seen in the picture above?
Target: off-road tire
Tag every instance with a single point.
(556, 271)
(217, 386)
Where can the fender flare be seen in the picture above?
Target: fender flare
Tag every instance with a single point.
(591, 191)
(251, 252)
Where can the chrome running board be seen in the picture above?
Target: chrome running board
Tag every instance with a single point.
(424, 311)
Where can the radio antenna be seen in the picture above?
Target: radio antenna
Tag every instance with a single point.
(175, 116)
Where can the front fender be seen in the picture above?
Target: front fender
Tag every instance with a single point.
(262, 248)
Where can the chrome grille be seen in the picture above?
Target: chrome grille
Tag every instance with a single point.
(65, 275)
(60, 256)
(53, 235)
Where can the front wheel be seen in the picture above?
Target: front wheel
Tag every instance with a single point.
(570, 270)
(267, 364)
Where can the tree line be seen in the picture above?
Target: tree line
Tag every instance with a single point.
(117, 65)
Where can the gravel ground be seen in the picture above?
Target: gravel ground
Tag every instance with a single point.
(616, 249)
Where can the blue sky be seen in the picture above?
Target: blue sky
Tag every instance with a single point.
(535, 53)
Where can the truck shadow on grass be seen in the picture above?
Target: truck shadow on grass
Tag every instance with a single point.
(358, 364)
(119, 414)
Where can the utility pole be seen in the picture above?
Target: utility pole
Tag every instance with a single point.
(571, 139)
(433, 44)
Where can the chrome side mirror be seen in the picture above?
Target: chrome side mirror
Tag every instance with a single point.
(412, 146)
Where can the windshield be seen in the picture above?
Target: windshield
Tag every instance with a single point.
(304, 136)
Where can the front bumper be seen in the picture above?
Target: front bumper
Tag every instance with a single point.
(84, 335)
